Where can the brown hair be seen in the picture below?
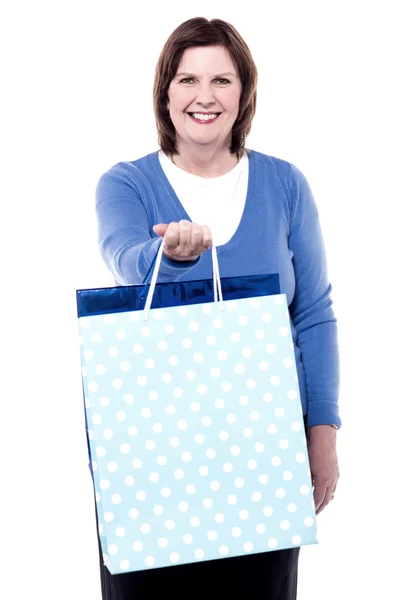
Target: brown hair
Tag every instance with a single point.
(202, 32)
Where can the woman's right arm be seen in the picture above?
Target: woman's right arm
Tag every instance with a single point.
(127, 241)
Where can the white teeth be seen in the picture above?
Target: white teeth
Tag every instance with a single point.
(201, 117)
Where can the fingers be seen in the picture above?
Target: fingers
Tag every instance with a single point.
(323, 495)
(184, 240)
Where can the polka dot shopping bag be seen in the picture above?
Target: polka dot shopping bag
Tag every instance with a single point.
(194, 421)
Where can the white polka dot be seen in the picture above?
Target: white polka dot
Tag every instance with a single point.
(145, 528)
(227, 467)
(124, 565)
(195, 406)
(129, 480)
(270, 348)
(175, 442)
(248, 547)
(203, 470)
(199, 553)
(212, 536)
(162, 346)
(276, 461)
(137, 546)
(261, 528)
(246, 352)
(100, 451)
(108, 517)
(308, 521)
(305, 489)
(283, 444)
(287, 475)
(215, 486)
(133, 513)
(219, 518)
(97, 419)
(279, 412)
(239, 482)
(252, 464)
(202, 390)
(186, 457)
(157, 428)
(100, 369)
(271, 429)
(243, 320)
(259, 334)
(219, 403)
(138, 349)
(198, 358)
(125, 366)
(170, 525)
(158, 510)
(104, 484)
(284, 331)
(226, 386)
(291, 507)
(112, 549)
(199, 438)
(224, 550)
(174, 361)
(120, 532)
(256, 496)
(232, 499)
(280, 299)
(280, 493)
(190, 489)
(104, 401)
(129, 398)
(158, 314)
(141, 496)
(146, 413)
(222, 354)
(187, 539)
(259, 447)
(255, 302)
(187, 343)
(288, 363)
(94, 465)
(98, 497)
(275, 380)
(166, 378)
(182, 424)
(113, 351)
(230, 418)
(292, 394)
(234, 450)
(211, 453)
(296, 540)
(161, 460)
(116, 499)
(247, 432)
(190, 375)
(183, 506)
(207, 503)
(251, 384)
(170, 409)
(263, 366)
(236, 532)
(285, 525)
(272, 543)
(239, 369)
(263, 479)
(137, 463)
(149, 363)
(300, 457)
(211, 340)
(255, 415)
(266, 317)
(223, 436)
(218, 323)
(267, 397)
(142, 381)
(179, 474)
(145, 331)
(169, 328)
(215, 372)
(296, 426)
(194, 521)
(109, 319)
(162, 542)
(154, 477)
(133, 430)
(112, 466)
(206, 421)
(243, 400)
(92, 386)
(88, 354)
(235, 337)
(267, 511)
(194, 326)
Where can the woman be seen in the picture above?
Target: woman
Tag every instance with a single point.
(204, 187)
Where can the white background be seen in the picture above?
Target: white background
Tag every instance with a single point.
(77, 98)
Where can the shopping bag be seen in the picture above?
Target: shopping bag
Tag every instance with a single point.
(194, 421)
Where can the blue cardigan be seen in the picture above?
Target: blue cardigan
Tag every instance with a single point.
(279, 233)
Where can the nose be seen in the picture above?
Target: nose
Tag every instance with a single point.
(205, 96)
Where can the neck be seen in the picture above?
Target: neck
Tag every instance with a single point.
(205, 162)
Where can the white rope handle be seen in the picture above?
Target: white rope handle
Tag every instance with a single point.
(216, 280)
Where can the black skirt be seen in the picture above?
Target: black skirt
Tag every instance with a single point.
(267, 576)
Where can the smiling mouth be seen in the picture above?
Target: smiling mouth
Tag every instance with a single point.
(203, 117)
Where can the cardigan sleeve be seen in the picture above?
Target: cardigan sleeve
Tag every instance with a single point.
(126, 239)
(311, 307)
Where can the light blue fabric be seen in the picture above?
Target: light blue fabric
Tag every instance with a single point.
(196, 433)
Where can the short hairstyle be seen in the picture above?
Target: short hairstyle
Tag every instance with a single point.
(202, 32)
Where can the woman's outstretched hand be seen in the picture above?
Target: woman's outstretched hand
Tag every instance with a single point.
(184, 240)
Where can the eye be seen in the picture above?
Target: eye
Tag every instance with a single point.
(222, 79)
(186, 79)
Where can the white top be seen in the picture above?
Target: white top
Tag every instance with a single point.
(217, 202)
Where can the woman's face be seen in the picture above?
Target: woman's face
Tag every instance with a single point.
(206, 82)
